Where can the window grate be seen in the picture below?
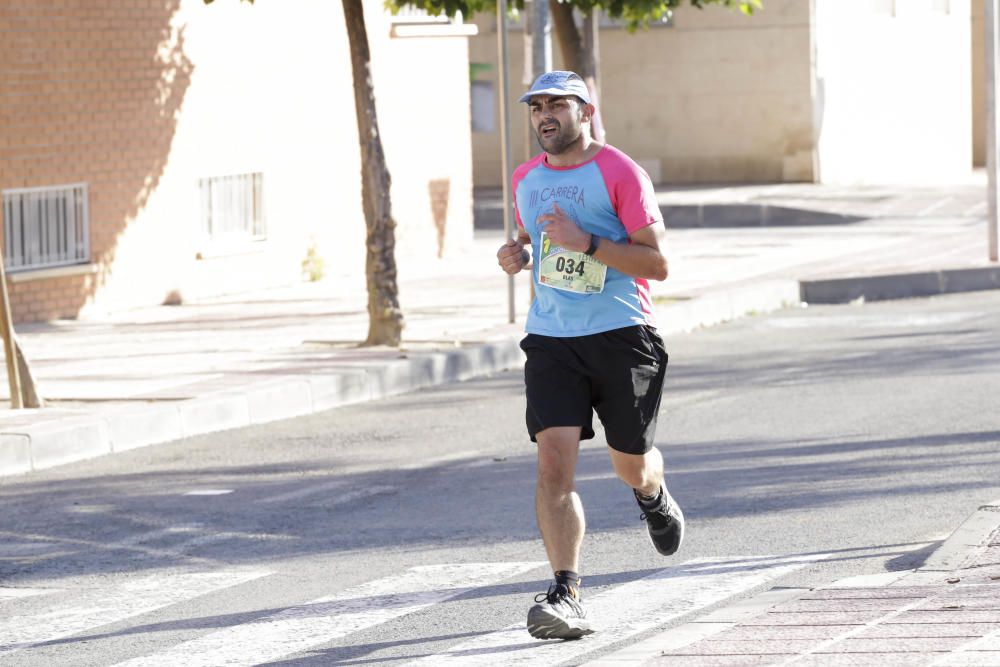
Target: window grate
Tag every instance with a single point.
(233, 206)
(45, 227)
(408, 14)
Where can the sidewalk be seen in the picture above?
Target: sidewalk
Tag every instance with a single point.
(947, 612)
(163, 373)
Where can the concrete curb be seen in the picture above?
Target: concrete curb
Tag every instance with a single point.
(964, 545)
(899, 286)
(748, 214)
(32, 447)
(724, 306)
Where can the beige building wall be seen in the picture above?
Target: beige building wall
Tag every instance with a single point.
(139, 101)
(486, 146)
(720, 96)
(893, 100)
(717, 96)
(842, 91)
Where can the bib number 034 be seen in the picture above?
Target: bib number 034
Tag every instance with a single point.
(570, 265)
(568, 270)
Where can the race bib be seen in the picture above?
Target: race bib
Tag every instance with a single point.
(569, 270)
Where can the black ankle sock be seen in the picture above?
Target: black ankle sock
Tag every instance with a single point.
(650, 502)
(569, 579)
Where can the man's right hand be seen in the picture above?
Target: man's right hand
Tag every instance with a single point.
(512, 257)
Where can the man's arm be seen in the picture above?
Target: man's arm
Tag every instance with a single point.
(642, 258)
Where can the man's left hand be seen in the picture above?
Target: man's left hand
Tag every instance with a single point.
(562, 231)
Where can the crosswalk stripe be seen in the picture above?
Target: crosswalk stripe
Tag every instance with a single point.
(627, 610)
(325, 619)
(106, 604)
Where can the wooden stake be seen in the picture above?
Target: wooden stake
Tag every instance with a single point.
(7, 331)
(29, 390)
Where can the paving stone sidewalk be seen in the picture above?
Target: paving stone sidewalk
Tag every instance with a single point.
(946, 613)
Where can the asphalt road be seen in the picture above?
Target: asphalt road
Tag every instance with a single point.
(805, 446)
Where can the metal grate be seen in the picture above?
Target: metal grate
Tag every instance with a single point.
(45, 227)
(233, 206)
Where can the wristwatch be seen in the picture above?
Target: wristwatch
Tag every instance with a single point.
(589, 252)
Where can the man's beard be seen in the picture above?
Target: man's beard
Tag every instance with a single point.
(558, 143)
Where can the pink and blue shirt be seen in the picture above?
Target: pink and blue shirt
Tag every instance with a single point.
(610, 196)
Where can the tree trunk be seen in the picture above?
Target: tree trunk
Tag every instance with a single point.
(579, 54)
(570, 40)
(385, 319)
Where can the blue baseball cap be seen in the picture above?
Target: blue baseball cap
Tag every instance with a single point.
(558, 83)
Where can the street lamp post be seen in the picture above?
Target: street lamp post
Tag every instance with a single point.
(508, 230)
(990, 19)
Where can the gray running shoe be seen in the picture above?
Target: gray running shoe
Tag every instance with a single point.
(665, 523)
(558, 615)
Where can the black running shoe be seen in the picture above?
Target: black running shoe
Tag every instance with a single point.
(558, 615)
(665, 523)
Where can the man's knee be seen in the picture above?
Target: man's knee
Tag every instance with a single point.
(639, 471)
(557, 455)
(635, 478)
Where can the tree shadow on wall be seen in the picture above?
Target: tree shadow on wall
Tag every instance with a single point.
(102, 109)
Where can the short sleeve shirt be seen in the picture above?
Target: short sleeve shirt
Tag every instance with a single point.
(609, 196)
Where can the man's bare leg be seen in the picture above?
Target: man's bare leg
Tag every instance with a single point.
(561, 522)
(663, 516)
(644, 473)
(557, 505)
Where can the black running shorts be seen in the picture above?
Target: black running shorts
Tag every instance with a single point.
(618, 373)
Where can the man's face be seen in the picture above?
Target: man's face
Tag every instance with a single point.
(556, 121)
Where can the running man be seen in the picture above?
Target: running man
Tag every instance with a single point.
(591, 217)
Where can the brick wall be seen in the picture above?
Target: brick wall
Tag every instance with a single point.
(141, 99)
(89, 91)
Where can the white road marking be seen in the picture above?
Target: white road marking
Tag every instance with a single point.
(323, 620)
(627, 610)
(927, 210)
(673, 400)
(358, 494)
(18, 550)
(18, 593)
(597, 477)
(975, 209)
(108, 603)
(201, 533)
(330, 500)
(149, 536)
(209, 492)
(303, 492)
